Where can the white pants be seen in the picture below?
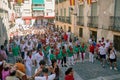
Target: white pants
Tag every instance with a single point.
(75, 56)
(91, 57)
(28, 70)
(70, 60)
(82, 57)
(59, 62)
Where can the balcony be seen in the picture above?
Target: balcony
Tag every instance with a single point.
(80, 20)
(38, 13)
(38, 7)
(64, 19)
(68, 20)
(60, 1)
(93, 21)
(60, 18)
(114, 23)
(57, 18)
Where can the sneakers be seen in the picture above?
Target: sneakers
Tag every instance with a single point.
(115, 68)
(65, 65)
(103, 66)
(110, 68)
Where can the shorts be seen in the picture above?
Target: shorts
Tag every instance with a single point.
(113, 60)
(102, 56)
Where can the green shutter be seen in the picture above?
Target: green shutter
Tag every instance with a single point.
(37, 1)
(94, 9)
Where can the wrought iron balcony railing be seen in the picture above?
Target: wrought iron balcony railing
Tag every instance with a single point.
(114, 23)
(63, 19)
(61, 1)
(60, 18)
(57, 18)
(80, 20)
(68, 20)
(93, 21)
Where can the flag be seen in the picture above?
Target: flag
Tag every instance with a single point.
(81, 1)
(19, 1)
(72, 2)
(89, 2)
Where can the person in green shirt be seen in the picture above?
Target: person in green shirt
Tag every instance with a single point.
(64, 53)
(15, 51)
(52, 55)
(58, 55)
(76, 52)
(83, 48)
(70, 55)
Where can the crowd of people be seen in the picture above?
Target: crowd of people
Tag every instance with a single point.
(47, 49)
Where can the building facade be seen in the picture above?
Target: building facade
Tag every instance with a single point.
(49, 9)
(98, 19)
(26, 10)
(38, 7)
(4, 21)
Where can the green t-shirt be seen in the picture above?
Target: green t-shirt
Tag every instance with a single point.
(52, 56)
(15, 50)
(63, 52)
(70, 54)
(45, 52)
(76, 49)
(83, 49)
(59, 56)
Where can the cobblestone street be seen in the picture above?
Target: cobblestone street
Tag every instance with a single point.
(89, 71)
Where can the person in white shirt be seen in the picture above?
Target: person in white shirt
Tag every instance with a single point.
(46, 76)
(29, 46)
(102, 51)
(28, 63)
(38, 57)
(113, 59)
(22, 47)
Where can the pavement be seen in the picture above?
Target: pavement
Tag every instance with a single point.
(89, 71)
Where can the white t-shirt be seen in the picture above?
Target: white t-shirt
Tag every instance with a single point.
(38, 58)
(1, 63)
(58, 45)
(69, 33)
(50, 77)
(22, 47)
(30, 47)
(107, 44)
(112, 55)
(102, 50)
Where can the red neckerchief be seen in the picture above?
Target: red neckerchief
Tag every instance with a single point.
(40, 53)
(82, 46)
(70, 48)
(64, 51)
(30, 56)
(57, 52)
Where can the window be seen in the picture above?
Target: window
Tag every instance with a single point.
(48, 10)
(93, 35)
(81, 10)
(26, 1)
(69, 29)
(117, 42)
(80, 32)
(60, 12)
(117, 15)
(48, 0)
(94, 9)
(64, 11)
